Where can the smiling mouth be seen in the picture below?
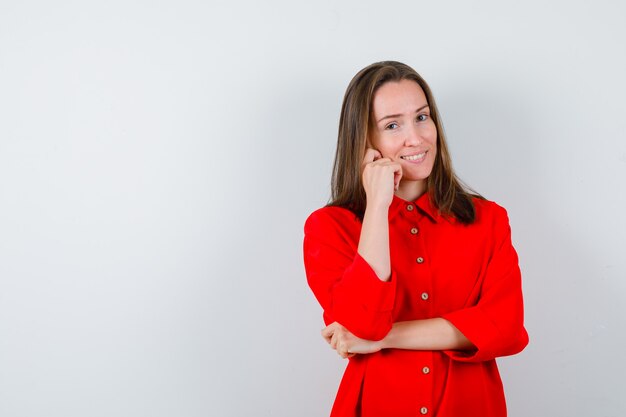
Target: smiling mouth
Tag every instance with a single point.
(414, 157)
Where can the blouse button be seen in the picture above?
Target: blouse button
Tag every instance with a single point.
(424, 410)
(420, 260)
(409, 207)
(426, 370)
(424, 296)
(414, 230)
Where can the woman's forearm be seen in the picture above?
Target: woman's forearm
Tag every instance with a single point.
(428, 334)
(374, 241)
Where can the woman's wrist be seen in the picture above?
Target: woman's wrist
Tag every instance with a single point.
(376, 207)
(387, 341)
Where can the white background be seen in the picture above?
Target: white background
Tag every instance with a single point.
(158, 160)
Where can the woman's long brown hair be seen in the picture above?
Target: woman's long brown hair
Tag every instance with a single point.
(446, 191)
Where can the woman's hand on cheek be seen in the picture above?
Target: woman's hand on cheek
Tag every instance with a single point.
(380, 177)
(345, 343)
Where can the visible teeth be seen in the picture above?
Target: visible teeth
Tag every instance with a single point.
(413, 157)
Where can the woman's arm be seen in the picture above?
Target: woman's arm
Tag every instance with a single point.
(429, 334)
(355, 288)
(374, 240)
(379, 181)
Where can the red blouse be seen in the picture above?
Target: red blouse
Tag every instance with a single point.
(467, 274)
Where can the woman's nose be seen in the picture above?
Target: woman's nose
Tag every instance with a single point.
(413, 137)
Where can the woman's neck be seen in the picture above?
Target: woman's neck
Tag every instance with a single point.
(411, 190)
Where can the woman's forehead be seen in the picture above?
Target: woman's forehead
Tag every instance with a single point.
(398, 97)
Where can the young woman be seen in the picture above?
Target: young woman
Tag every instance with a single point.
(416, 274)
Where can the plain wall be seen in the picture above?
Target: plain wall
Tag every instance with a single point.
(158, 160)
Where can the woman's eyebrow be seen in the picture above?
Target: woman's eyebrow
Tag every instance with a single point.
(397, 115)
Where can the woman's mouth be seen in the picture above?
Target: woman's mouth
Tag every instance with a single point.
(415, 158)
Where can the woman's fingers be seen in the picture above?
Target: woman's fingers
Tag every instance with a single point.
(339, 343)
(345, 343)
(336, 335)
(380, 174)
(333, 341)
(328, 331)
(371, 155)
(397, 176)
(342, 350)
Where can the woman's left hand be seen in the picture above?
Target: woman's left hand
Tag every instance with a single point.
(345, 343)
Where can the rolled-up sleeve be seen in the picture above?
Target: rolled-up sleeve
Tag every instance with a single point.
(495, 323)
(344, 283)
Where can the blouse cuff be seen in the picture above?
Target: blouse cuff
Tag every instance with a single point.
(478, 329)
(361, 280)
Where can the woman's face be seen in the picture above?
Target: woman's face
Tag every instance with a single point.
(403, 130)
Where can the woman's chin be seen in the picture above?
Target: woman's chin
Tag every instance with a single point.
(414, 177)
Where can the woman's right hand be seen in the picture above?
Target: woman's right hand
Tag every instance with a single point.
(381, 177)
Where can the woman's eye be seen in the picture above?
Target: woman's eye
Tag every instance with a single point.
(424, 115)
(391, 126)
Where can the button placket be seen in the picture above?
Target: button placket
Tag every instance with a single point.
(422, 289)
(419, 231)
(424, 374)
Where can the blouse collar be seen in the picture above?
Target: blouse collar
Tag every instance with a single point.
(423, 204)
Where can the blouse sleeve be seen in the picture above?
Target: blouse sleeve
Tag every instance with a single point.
(495, 324)
(344, 283)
